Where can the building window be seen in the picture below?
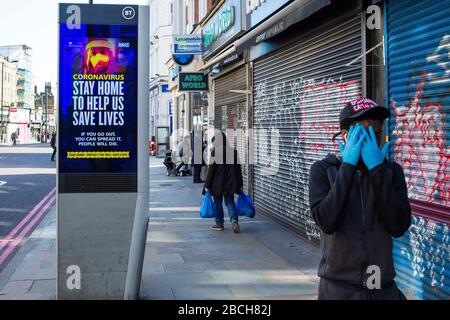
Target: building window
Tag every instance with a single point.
(196, 12)
(186, 16)
(203, 9)
(191, 14)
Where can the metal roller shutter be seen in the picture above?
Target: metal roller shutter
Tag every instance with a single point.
(235, 80)
(300, 91)
(418, 92)
(234, 105)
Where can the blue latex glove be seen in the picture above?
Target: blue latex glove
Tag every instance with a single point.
(370, 152)
(352, 149)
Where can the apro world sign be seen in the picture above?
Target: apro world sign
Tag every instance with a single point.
(224, 26)
(193, 81)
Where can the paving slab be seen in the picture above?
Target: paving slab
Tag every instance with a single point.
(184, 258)
(264, 260)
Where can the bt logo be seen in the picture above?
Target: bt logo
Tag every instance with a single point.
(128, 13)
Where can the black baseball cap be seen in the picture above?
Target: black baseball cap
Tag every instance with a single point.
(360, 108)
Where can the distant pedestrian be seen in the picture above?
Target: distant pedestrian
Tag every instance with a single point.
(53, 145)
(359, 200)
(14, 138)
(184, 152)
(197, 167)
(224, 180)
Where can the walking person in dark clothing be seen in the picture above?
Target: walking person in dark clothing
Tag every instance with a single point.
(224, 180)
(197, 159)
(53, 145)
(359, 201)
(14, 138)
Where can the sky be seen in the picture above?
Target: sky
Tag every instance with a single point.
(34, 23)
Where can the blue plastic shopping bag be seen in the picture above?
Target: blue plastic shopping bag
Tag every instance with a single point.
(207, 209)
(245, 206)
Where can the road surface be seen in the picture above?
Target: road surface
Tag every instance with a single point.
(27, 192)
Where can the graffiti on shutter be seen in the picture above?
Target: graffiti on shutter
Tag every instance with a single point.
(310, 110)
(418, 70)
(242, 144)
(299, 92)
(422, 259)
(421, 147)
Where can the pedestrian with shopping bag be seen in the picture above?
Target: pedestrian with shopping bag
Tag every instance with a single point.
(223, 181)
(359, 201)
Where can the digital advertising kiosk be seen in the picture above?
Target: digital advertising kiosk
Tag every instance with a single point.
(102, 150)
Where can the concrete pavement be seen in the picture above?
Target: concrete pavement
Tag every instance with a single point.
(184, 259)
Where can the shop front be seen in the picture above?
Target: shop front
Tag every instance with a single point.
(19, 123)
(229, 99)
(231, 110)
(298, 92)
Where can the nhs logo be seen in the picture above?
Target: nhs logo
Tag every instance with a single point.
(124, 44)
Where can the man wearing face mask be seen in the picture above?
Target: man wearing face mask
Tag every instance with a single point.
(359, 201)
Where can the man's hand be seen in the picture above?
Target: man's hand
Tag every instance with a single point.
(370, 152)
(352, 149)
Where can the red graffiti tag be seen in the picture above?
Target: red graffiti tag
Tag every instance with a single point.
(319, 114)
(420, 148)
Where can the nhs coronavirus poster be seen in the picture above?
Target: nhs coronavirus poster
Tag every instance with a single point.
(98, 99)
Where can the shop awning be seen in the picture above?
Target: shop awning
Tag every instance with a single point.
(288, 16)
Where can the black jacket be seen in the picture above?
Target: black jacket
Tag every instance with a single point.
(224, 179)
(358, 211)
(53, 142)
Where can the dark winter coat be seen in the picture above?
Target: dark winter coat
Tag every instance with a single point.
(222, 178)
(358, 211)
(53, 142)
